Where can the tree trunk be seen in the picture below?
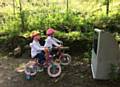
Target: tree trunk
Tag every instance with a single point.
(14, 7)
(107, 7)
(67, 8)
(22, 17)
(14, 11)
(47, 3)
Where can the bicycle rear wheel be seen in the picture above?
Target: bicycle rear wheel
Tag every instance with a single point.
(30, 70)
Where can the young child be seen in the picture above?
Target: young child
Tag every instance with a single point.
(36, 48)
(51, 40)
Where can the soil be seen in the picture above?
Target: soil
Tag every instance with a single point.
(77, 74)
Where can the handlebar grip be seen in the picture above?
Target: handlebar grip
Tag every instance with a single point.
(61, 48)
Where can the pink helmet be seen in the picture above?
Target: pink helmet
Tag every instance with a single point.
(50, 31)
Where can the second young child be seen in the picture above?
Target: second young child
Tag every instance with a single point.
(51, 41)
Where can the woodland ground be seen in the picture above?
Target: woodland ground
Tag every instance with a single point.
(77, 74)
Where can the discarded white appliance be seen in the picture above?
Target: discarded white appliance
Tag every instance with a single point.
(105, 51)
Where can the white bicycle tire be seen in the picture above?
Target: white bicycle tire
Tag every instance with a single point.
(69, 59)
(54, 75)
(28, 73)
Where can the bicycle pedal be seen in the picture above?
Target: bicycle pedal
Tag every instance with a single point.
(57, 61)
(40, 69)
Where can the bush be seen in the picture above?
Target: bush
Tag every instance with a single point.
(69, 36)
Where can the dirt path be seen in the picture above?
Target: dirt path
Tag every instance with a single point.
(77, 74)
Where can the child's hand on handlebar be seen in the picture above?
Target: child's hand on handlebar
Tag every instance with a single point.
(61, 43)
(46, 49)
(60, 46)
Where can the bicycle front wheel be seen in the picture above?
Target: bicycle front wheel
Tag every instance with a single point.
(65, 59)
(54, 70)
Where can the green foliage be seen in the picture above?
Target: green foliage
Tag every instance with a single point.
(115, 70)
(117, 36)
(69, 36)
(76, 23)
(39, 16)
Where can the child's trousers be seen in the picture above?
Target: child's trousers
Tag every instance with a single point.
(40, 57)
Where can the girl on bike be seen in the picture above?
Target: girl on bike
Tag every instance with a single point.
(37, 51)
(51, 40)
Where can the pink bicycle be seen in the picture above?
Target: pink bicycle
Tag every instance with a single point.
(32, 67)
(61, 56)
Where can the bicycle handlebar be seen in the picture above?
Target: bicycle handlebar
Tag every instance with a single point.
(62, 48)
